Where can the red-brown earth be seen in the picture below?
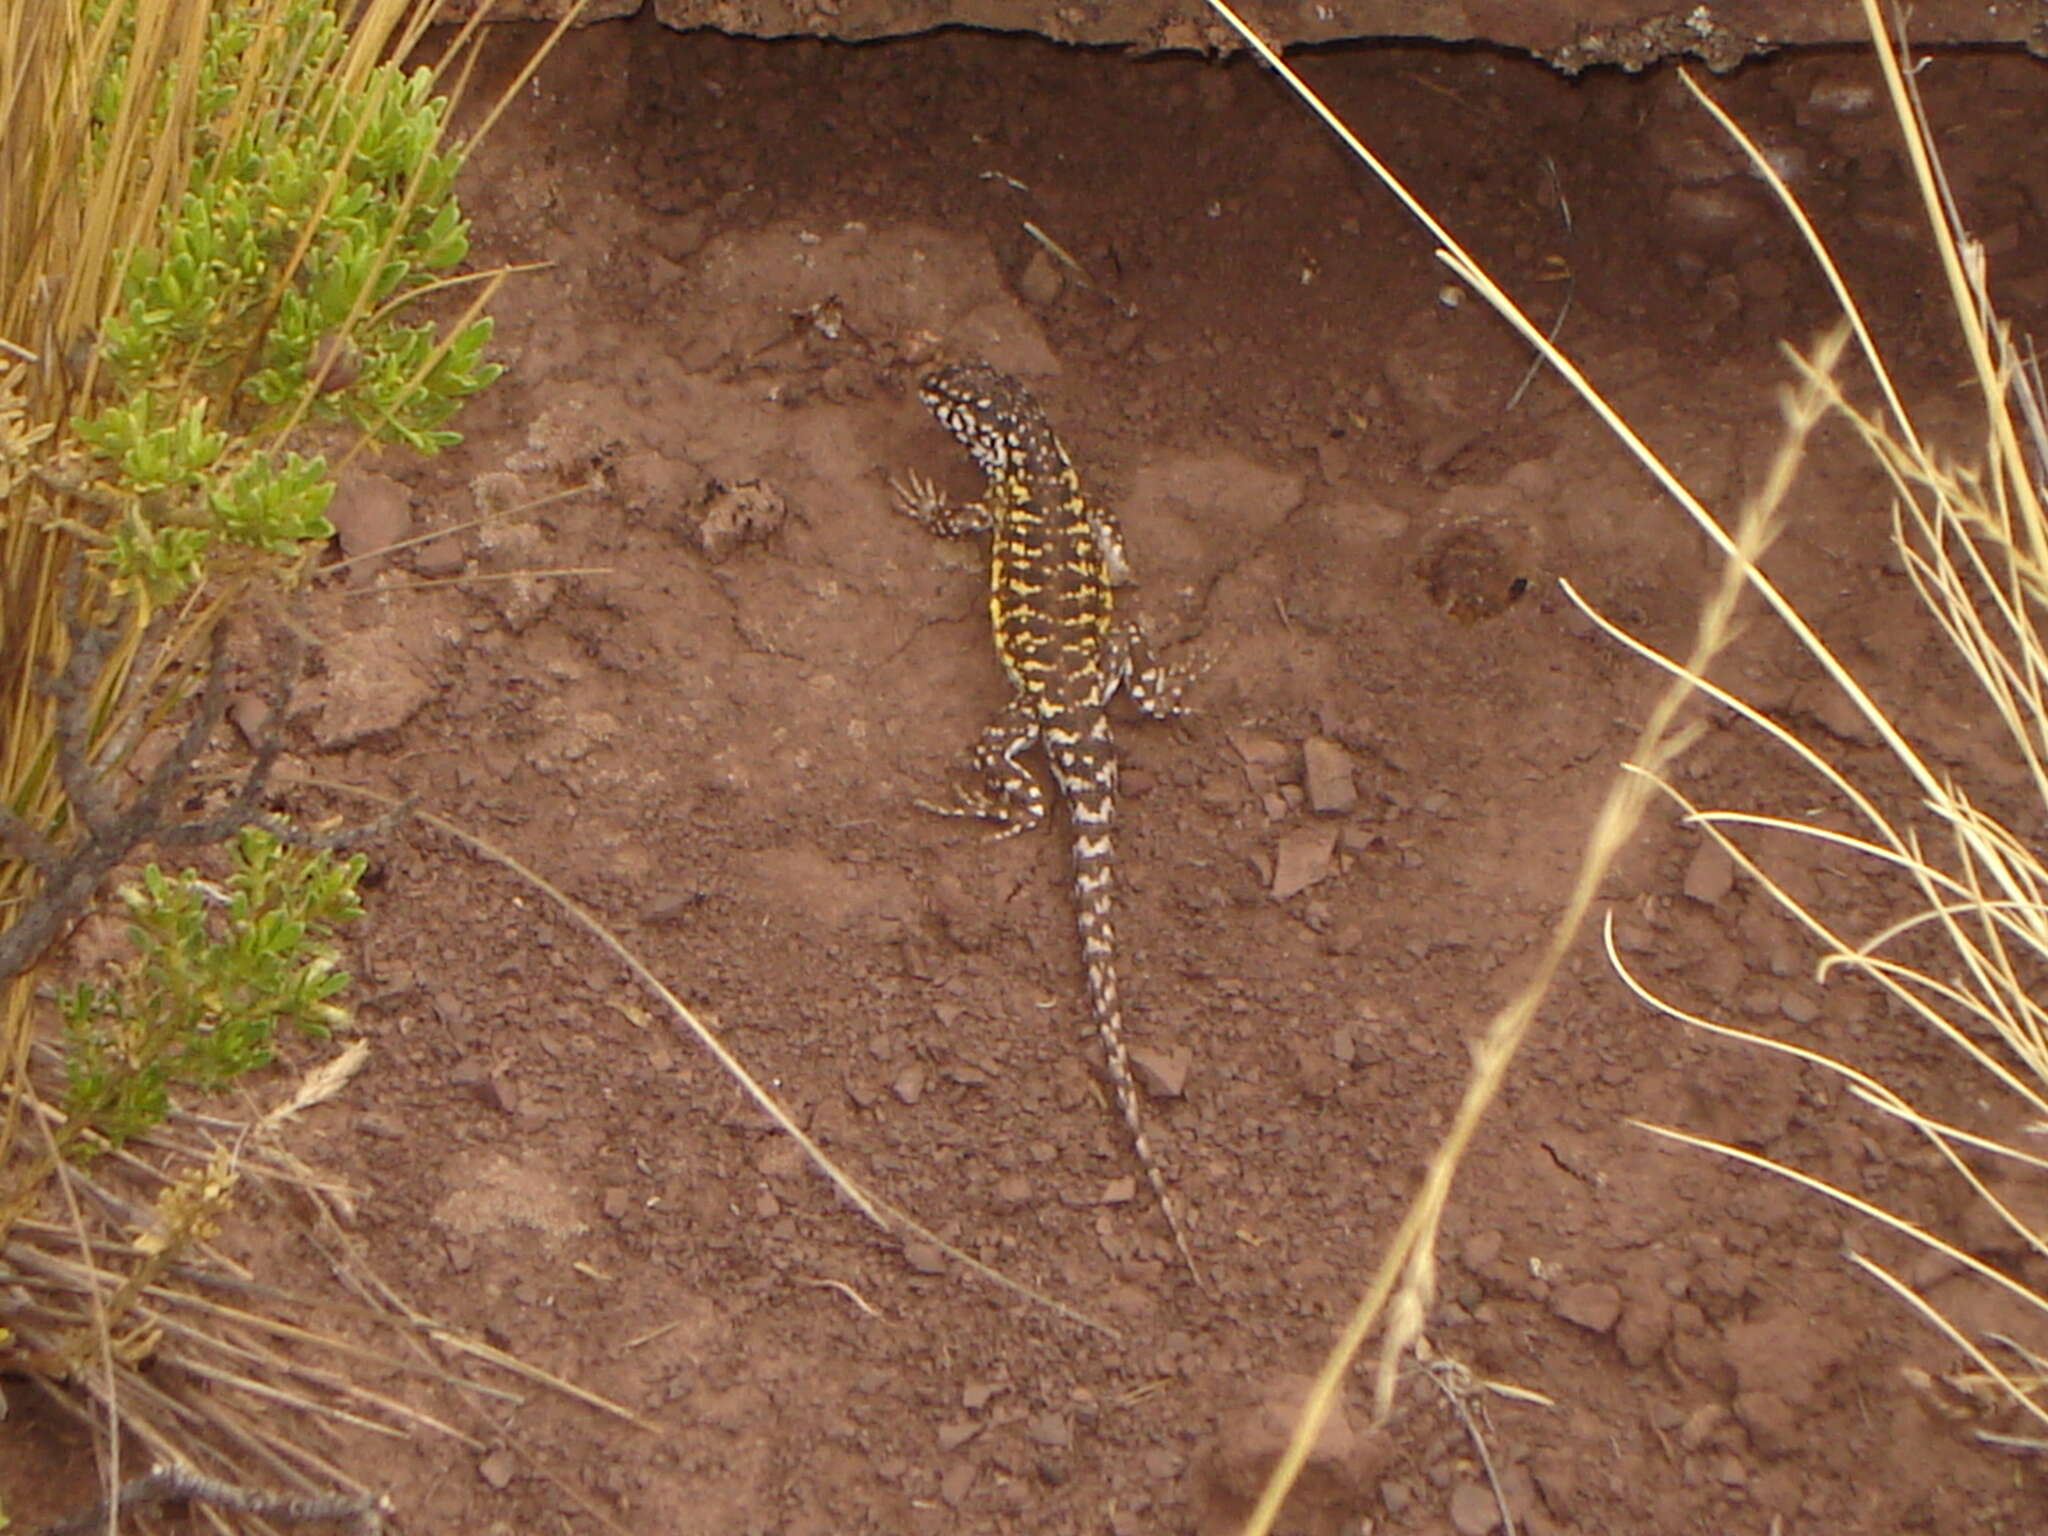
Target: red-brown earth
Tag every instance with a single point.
(1332, 482)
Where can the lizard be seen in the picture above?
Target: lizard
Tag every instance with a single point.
(1055, 557)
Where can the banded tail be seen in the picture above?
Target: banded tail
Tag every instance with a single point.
(1086, 770)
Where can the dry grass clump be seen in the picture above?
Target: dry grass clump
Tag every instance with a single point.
(1962, 961)
(224, 231)
(1966, 964)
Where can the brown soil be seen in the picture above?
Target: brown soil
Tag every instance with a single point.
(714, 735)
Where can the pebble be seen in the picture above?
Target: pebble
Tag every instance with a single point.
(1051, 1429)
(957, 1483)
(1710, 875)
(497, 1468)
(1474, 1510)
(1481, 1249)
(1162, 1074)
(1593, 1305)
(1304, 856)
(370, 513)
(1041, 282)
(1327, 768)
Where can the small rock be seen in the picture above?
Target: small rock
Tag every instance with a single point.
(957, 1483)
(1716, 212)
(251, 716)
(497, 490)
(1230, 1467)
(1041, 282)
(370, 513)
(1836, 712)
(1842, 96)
(1798, 1007)
(497, 1467)
(1304, 856)
(908, 1085)
(1051, 1429)
(1474, 1510)
(443, 556)
(1267, 761)
(1481, 1249)
(615, 1203)
(1119, 1191)
(1593, 1305)
(1161, 1074)
(1710, 875)
(1327, 769)
(925, 1258)
(1645, 1323)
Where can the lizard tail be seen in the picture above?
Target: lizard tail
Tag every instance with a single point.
(1087, 772)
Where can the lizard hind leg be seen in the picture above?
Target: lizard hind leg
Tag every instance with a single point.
(1007, 794)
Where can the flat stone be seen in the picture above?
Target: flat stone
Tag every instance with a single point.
(1327, 769)
(1304, 856)
(1594, 1305)
(1474, 1510)
(370, 513)
(1710, 875)
(1162, 1074)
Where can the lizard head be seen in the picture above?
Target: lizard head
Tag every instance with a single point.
(985, 409)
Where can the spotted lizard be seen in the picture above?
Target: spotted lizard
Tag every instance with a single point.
(1055, 556)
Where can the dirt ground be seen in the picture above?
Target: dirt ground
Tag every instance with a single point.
(1337, 490)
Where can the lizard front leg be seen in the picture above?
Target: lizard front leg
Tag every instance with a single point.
(917, 498)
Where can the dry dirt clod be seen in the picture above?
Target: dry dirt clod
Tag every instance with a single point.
(373, 686)
(746, 513)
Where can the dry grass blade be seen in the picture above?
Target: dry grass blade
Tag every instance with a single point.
(1966, 955)
(1404, 1283)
